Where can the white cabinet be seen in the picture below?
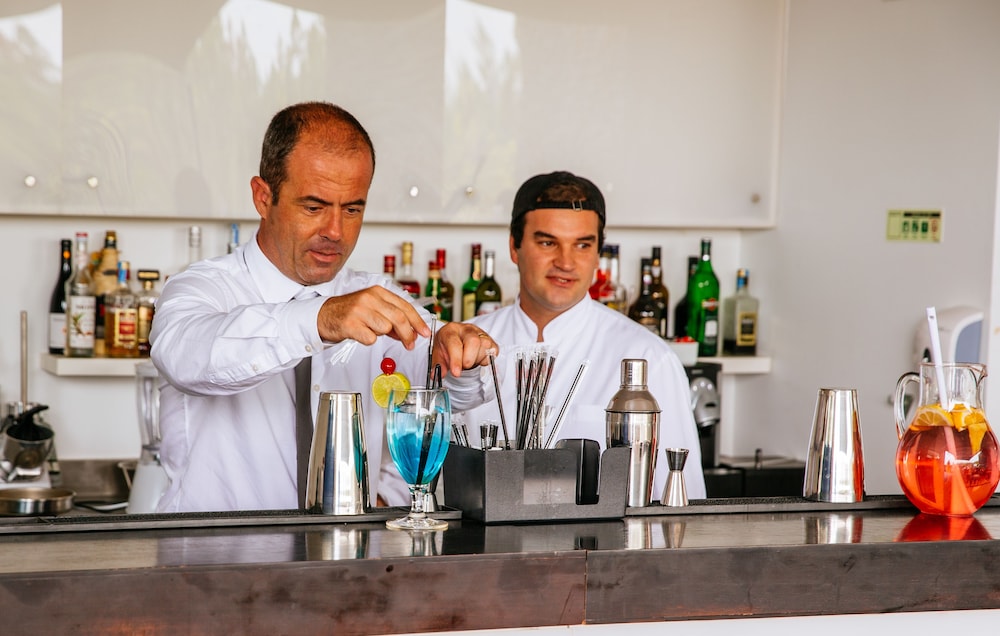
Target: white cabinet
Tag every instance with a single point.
(671, 107)
(31, 87)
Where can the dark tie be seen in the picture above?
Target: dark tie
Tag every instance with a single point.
(303, 425)
(303, 416)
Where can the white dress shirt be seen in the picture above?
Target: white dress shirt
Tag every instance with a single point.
(603, 337)
(226, 339)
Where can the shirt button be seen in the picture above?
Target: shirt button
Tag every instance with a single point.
(309, 348)
(255, 367)
(316, 388)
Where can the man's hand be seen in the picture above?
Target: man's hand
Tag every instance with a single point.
(369, 313)
(461, 346)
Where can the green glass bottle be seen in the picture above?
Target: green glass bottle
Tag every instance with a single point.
(682, 309)
(469, 287)
(703, 303)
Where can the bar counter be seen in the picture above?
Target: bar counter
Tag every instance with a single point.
(299, 574)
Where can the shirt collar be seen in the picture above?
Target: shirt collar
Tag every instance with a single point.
(274, 286)
(561, 328)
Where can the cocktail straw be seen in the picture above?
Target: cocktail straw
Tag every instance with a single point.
(932, 326)
(565, 405)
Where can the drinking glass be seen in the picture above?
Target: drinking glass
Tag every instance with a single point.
(418, 428)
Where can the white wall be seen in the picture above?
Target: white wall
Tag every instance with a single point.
(888, 105)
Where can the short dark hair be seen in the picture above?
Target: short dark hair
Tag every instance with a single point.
(287, 127)
(559, 190)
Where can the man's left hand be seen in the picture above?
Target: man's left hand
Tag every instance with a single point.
(460, 346)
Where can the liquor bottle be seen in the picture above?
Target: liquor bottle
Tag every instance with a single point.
(234, 238)
(121, 318)
(447, 295)
(469, 286)
(659, 290)
(614, 296)
(488, 293)
(602, 274)
(105, 279)
(81, 304)
(703, 299)
(739, 319)
(646, 310)
(406, 279)
(57, 302)
(389, 266)
(146, 301)
(433, 290)
(194, 244)
(683, 308)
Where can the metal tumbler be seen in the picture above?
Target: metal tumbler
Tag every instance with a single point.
(337, 482)
(835, 467)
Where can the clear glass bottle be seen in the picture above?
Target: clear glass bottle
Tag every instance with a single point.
(703, 297)
(683, 308)
(659, 291)
(234, 238)
(121, 318)
(646, 310)
(488, 293)
(614, 295)
(446, 297)
(472, 283)
(194, 244)
(406, 279)
(739, 319)
(57, 301)
(81, 304)
(146, 299)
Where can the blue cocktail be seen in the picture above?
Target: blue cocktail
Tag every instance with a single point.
(418, 429)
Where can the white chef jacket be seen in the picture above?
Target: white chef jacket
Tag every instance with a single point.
(603, 337)
(226, 340)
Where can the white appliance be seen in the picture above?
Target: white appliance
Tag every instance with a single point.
(961, 331)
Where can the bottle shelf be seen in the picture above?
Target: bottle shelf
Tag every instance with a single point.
(125, 367)
(92, 367)
(741, 365)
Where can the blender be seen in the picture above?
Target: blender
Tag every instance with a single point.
(150, 479)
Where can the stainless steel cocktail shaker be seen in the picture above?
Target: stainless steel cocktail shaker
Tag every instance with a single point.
(633, 420)
(338, 462)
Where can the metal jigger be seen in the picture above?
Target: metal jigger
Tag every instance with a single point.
(675, 493)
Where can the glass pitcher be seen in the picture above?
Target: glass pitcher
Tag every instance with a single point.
(947, 459)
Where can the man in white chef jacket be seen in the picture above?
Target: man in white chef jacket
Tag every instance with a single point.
(229, 332)
(556, 232)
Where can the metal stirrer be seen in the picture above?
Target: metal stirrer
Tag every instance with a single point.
(430, 355)
(565, 405)
(24, 359)
(496, 387)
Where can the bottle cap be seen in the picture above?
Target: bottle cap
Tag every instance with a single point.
(633, 372)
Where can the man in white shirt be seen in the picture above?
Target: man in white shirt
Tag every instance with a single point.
(556, 232)
(229, 332)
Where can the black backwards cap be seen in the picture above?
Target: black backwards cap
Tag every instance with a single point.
(557, 190)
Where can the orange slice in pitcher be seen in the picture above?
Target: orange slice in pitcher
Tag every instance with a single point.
(972, 420)
(930, 416)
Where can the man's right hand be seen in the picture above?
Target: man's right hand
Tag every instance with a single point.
(369, 313)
